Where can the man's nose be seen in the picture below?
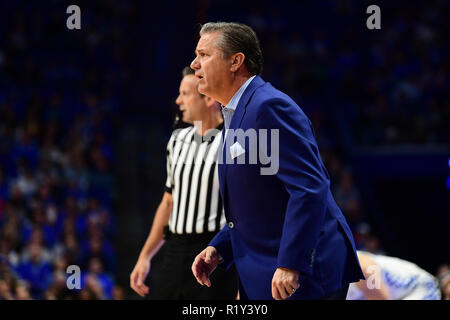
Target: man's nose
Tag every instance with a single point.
(178, 101)
(195, 65)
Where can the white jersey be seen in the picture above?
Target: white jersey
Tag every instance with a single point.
(403, 279)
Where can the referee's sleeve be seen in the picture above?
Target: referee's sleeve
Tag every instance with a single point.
(169, 152)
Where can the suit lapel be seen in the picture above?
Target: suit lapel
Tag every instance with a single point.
(243, 102)
(235, 124)
(221, 162)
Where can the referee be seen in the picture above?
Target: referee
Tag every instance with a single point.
(191, 212)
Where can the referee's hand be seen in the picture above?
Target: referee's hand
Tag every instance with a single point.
(138, 276)
(204, 264)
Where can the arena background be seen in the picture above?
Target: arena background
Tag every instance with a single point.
(85, 116)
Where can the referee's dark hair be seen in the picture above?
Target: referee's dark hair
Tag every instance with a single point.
(237, 37)
(187, 71)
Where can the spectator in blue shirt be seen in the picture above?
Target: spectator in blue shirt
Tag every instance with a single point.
(38, 273)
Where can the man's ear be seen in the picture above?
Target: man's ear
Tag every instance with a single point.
(237, 60)
(209, 101)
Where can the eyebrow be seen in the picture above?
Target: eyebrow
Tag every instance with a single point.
(199, 50)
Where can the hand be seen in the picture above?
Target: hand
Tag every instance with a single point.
(284, 283)
(204, 264)
(138, 276)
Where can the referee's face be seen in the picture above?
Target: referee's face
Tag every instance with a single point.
(191, 103)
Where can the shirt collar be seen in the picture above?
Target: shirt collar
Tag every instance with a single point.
(237, 96)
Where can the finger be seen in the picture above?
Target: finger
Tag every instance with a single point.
(133, 283)
(143, 289)
(134, 288)
(205, 279)
(284, 291)
(294, 290)
(202, 267)
(294, 283)
(196, 269)
(138, 291)
(142, 292)
(291, 289)
(293, 286)
(275, 293)
(208, 257)
(197, 277)
(139, 281)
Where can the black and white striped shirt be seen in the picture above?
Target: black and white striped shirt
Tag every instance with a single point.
(193, 181)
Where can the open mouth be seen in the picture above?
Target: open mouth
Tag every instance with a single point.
(199, 77)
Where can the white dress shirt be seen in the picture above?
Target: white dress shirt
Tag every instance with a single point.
(228, 110)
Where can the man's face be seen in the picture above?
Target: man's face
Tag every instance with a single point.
(211, 68)
(191, 103)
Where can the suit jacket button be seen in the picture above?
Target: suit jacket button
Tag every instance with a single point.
(231, 224)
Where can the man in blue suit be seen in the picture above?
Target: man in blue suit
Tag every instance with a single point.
(285, 233)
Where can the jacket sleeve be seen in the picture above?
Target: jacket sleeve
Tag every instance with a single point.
(305, 178)
(222, 243)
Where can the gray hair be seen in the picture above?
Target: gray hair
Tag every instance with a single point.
(237, 37)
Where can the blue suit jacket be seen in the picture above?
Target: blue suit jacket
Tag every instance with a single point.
(289, 219)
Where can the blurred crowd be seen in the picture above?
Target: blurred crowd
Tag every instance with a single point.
(390, 85)
(404, 99)
(57, 154)
(56, 192)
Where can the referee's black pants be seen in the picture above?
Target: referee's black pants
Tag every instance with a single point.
(171, 277)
